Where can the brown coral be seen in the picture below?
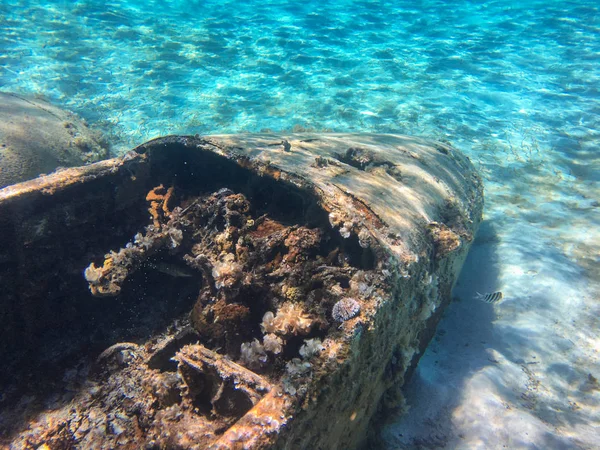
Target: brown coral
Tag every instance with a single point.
(220, 322)
(300, 243)
(445, 240)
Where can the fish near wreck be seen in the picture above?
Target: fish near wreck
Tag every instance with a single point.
(250, 350)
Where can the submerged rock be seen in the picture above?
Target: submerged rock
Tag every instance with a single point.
(317, 267)
(37, 137)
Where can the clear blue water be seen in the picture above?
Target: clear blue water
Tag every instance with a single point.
(520, 77)
(515, 85)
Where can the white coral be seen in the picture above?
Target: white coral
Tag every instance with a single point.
(311, 347)
(273, 343)
(268, 323)
(288, 387)
(364, 238)
(253, 353)
(334, 219)
(346, 230)
(226, 272)
(297, 367)
(93, 274)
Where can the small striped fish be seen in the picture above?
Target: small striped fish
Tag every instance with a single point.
(172, 270)
(493, 297)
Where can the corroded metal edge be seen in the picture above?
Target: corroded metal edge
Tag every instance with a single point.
(63, 178)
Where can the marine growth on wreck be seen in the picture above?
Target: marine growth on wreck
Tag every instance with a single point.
(226, 292)
(271, 300)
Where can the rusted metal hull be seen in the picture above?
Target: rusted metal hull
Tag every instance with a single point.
(357, 238)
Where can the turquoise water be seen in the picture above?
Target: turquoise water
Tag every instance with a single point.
(514, 77)
(515, 85)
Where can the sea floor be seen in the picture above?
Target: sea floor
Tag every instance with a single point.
(514, 85)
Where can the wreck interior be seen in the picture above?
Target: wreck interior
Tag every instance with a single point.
(179, 338)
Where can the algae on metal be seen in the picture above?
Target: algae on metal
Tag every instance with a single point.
(277, 299)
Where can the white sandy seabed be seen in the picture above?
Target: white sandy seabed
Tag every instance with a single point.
(523, 373)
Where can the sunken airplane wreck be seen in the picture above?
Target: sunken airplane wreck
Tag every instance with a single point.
(227, 292)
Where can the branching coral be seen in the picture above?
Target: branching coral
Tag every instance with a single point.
(117, 266)
(108, 279)
(159, 199)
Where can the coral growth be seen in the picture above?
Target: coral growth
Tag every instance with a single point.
(226, 272)
(108, 279)
(273, 343)
(248, 267)
(297, 367)
(300, 242)
(290, 320)
(159, 199)
(165, 232)
(345, 309)
(311, 348)
(445, 241)
(253, 354)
